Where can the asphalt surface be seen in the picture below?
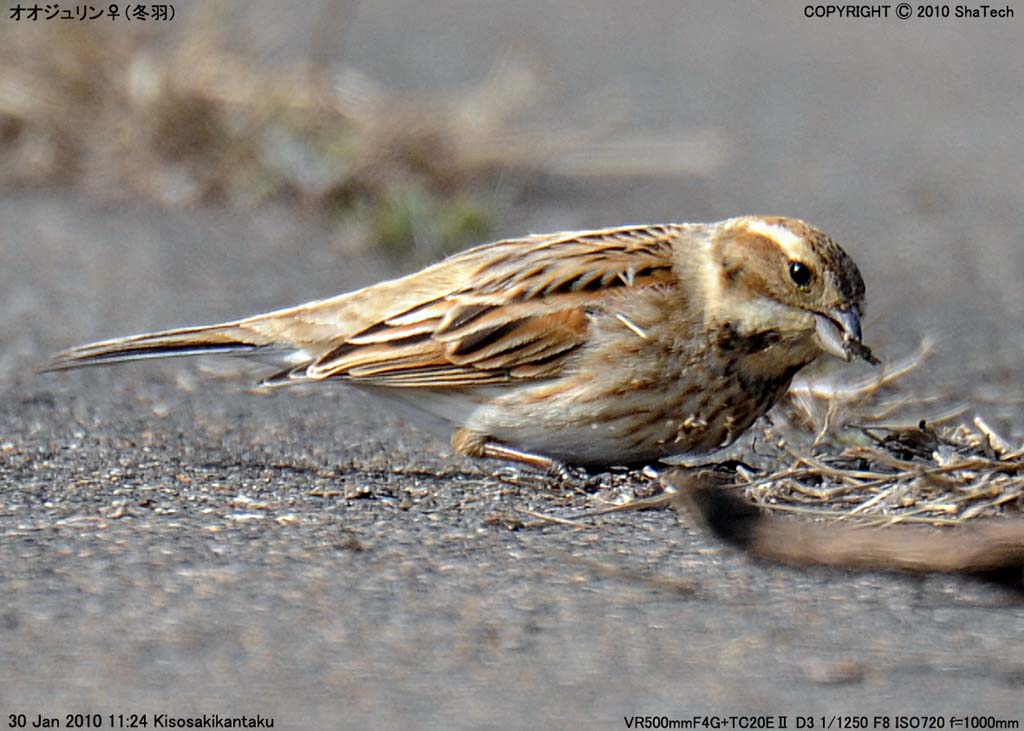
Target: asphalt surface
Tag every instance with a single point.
(173, 543)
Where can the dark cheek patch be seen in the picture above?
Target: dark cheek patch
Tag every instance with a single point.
(742, 247)
(755, 244)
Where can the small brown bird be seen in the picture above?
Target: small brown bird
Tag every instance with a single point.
(614, 346)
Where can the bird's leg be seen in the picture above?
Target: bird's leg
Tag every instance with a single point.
(474, 445)
(545, 464)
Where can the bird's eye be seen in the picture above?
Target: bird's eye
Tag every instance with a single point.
(800, 273)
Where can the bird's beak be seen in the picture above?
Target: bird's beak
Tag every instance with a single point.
(838, 333)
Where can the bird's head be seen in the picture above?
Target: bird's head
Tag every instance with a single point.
(783, 276)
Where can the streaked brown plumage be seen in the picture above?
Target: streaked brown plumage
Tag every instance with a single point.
(613, 346)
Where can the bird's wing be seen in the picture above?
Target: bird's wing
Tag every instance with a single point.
(498, 313)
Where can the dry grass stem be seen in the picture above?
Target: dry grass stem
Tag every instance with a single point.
(842, 450)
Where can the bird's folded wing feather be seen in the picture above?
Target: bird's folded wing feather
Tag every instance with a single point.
(502, 312)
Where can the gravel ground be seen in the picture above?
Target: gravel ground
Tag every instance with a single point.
(173, 543)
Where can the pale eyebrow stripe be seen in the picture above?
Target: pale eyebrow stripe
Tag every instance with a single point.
(795, 246)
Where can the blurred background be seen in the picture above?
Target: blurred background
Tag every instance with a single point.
(252, 155)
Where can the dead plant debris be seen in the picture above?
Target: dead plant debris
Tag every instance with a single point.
(873, 448)
(178, 118)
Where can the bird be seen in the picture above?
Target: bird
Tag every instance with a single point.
(595, 348)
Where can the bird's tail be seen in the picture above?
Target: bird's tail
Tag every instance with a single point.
(288, 337)
(223, 339)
